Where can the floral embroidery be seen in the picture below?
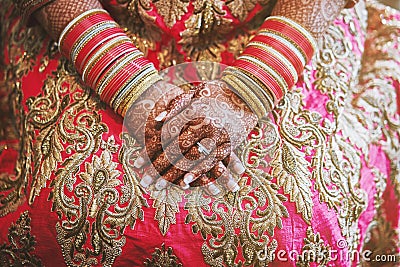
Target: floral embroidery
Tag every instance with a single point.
(64, 138)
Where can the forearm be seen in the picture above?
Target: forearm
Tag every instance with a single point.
(315, 16)
(274, 59)
(55, 16)
(100, 50)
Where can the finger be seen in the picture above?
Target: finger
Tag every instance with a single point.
(190, 170)
(224, 177)
(185, 148)
(234, 164)
(208, 183)
(155, 121)
(142, 160)
(231, 184)
(161, 184)
(149, 177)
(175, 106)
(351, 3)
(157, 139)
(206, 163)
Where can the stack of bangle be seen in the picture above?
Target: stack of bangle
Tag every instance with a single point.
(106, 58)
(270, 64)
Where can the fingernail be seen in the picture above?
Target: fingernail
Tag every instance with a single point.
(161, 184)
(188, 178)
(239, 168)
(185, 186)
(233, 186)
(146, 181)
(161, 116)
(213, 189)
(138, 162)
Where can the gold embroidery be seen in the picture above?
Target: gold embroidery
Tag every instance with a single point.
(166, 202)
(169, 56)
(204, 30)
(241, 8)
(238, 44)
(22, 244)
(23, 47)
(290, 169)
(255, 211)
(306, 147)
(139, 25)
(171, 10)
(248, 218)
(94, 201)
(381, 242)
(337, 162)
(103, 204)
(379, 76)
(163, 257)
(314, 250)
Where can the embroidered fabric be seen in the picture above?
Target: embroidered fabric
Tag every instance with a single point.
(322, 173)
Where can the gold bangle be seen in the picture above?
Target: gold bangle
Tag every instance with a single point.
(152, 79)
(262, 65)
(246, 94)
(87, 36)
(263, 92)
(130, 83)
(99, 54)
(113, 71)
(72, 24)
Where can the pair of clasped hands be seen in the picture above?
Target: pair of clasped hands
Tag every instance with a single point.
(188, 136)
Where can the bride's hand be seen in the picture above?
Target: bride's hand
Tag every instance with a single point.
(198, 142)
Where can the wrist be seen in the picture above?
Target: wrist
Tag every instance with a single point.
(271, 63)
(106, 59)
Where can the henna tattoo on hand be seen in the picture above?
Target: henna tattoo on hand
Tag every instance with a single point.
(55, 16)
(314, 15)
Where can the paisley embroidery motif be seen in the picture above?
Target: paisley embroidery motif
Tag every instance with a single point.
(306, 153)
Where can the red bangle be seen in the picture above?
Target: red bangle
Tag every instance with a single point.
(105, 60)
(93, 45)
(72, 36)
(262, 75)
(97, 78)
(275, 64)
(291, 33)
(282, 48)
(126, 73)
